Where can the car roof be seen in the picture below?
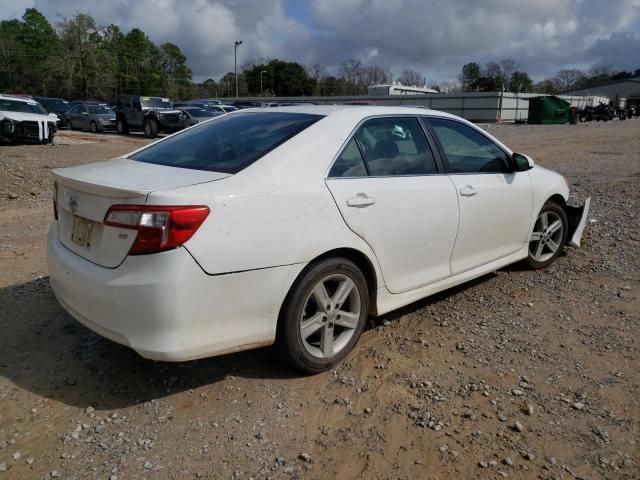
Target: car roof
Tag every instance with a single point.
(362, 111)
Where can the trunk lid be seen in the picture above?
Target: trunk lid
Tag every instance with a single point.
(86, 192)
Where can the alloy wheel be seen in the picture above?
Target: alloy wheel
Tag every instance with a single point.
(546, 237)
(330, 316)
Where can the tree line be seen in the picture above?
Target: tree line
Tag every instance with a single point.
(506, 75)
(77, 58)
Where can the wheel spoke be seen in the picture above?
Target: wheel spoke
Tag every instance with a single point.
(321, 296)
(544, 221)
(311, 325)
(326, 341)
(343, 291)
(553, 246)
(535, 236)
(347, 319)
(554, 227)
(539, 249)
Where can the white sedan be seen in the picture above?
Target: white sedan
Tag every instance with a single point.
(292, 225)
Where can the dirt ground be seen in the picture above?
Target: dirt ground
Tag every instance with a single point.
(520, 374)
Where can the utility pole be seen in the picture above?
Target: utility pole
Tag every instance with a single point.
(261, 90)
(235, 63)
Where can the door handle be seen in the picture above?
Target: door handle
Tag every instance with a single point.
(360, 200)
(468, 191)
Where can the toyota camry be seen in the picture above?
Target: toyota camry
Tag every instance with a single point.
(291, 225)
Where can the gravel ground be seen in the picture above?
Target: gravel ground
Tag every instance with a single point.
(518, 374)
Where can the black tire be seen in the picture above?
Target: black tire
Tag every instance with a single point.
(289, 343)
(557, 212)
(121, 126)
(93, 126)
(68, 124)
(150, 128)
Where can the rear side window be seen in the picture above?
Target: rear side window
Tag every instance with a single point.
(349, 163)
(228, 144)
(467, 150)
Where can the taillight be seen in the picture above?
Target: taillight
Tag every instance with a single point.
(159, 227)
(55, 200)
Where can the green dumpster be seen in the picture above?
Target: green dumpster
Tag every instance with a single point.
(548, 110)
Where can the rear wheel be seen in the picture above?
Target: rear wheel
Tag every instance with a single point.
(150, 128)
(548, 237)
(323, 316)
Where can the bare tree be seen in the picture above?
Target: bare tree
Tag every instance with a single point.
(451, 86)
(568, 78)
(375, 75)
(351, 73)
(508, 67)
(411, 78)
(317, 73)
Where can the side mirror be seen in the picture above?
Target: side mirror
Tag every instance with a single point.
(522, 162)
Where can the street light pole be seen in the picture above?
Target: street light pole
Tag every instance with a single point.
(261, 90)
(235, 63)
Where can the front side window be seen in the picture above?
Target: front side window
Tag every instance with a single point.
(229, 143)
(395, 146)
(99, 110)
(467, 150)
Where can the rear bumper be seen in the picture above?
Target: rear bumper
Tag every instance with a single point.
(165, 307)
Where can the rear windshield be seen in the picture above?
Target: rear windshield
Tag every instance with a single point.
(227, 144)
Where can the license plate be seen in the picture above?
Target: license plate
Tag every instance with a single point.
(81, 231)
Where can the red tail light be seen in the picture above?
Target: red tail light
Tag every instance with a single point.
(159, 228)
(55, 200)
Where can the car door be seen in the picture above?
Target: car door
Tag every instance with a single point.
(495, 201)
(74, 116)
(83, 118)
(391, 191)
(134, 113)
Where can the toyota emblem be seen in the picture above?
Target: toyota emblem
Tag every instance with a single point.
(73, 203)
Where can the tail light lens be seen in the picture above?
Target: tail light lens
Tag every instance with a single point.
(159, 228)
(55, 200)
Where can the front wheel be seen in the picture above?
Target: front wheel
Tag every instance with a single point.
(94, 127)
(323, 316)
(548, 237)
(121, 127)
(150, 128)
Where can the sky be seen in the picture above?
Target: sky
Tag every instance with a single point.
(433, 37)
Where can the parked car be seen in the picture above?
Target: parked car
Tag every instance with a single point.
(292, 225)
(246, 104)
(23, 120)
(152, 115)
(194, 115)
(90, 116)
(603, 112)
(222, 108)
(57, 106)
